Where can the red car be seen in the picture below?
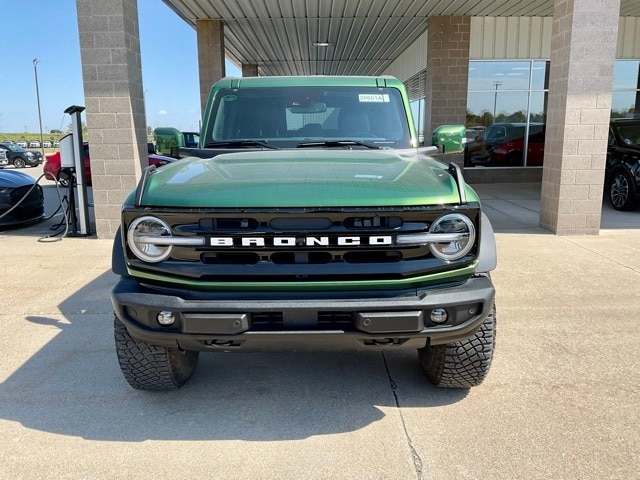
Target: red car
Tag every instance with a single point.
(52, 164)
(509, 152)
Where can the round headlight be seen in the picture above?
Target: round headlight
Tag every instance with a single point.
(140, 239)
(461, 227)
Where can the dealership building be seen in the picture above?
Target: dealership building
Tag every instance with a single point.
(546, 75)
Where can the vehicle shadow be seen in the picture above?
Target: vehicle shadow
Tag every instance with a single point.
(72, 386)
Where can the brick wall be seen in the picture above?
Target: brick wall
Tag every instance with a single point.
(115, 113)
(447, 74)
(583, 45)
(211, 66)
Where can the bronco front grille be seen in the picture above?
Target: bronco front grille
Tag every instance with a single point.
(302, 245)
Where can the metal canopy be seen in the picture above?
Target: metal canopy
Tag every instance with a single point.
(364, 36)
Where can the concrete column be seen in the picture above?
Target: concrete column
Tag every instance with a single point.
(447, 75)
(210, 35)
(583, 47)
(249, 70)
(115, 114)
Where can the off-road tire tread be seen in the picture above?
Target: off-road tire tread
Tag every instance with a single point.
(151, 367)
(461, 364)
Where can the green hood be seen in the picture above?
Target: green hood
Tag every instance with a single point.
(303, 178)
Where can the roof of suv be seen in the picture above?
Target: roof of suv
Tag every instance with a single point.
(307, 81)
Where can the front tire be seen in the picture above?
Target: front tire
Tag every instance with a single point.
(151, 367)
(461, 364)
(18, 162)
(621, 192)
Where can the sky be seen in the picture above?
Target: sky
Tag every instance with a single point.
(48, 30)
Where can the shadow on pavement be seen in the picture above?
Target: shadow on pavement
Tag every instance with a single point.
(73, 386)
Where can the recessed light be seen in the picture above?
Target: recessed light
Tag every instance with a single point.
(321, 44)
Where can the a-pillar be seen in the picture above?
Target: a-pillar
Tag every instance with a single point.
(210, 35)
(583, 47)
(115, 113)
(447, 74)
(249, 70)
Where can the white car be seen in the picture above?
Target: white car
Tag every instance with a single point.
(46, 144)
(22, 144)
(56, 144)
(34, 144)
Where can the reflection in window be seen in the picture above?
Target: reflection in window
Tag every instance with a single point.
(625, 99)
(417, 111)
(506, 111)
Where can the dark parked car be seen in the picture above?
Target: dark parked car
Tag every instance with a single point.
(52, 165)
(13, 187)
(191, 139)
(622, 179)
(19, 157)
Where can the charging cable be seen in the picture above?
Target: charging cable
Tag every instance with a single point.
(56, 237)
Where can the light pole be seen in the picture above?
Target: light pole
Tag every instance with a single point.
(495, 99)
(35, 71)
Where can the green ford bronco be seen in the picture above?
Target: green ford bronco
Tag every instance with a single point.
(307, 219)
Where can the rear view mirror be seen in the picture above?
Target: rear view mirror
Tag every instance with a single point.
(300, 108)
(450, 138)
(167, 138)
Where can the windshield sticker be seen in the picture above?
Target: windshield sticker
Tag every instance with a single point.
(373, 98)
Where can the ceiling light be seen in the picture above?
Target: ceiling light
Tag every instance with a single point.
(321, 44)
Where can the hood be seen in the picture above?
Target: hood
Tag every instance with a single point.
(13, 179)
(303, 178)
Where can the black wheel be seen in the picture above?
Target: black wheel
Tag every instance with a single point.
(462, 364)
(18, 162)
(621, 191)
(150, 367)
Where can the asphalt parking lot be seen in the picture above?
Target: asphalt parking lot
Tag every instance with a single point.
(562, 400)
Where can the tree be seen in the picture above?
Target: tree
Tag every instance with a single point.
(84, 128)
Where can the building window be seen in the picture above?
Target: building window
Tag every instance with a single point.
(625, 98)
(416, 87)
(417, 111)
(506, 111)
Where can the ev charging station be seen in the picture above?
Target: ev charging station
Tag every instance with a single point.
(72, 161)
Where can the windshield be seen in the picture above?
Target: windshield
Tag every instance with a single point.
(13, 147)
(630, 134)
(287, 117)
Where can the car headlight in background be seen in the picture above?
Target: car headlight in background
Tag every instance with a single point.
(146, 238)
(459, 235)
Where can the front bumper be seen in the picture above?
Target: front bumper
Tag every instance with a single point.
(235, 321)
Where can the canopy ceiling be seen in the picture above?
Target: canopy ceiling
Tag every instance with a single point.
(364, 36)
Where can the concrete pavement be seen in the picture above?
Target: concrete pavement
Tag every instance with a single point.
(562, 400)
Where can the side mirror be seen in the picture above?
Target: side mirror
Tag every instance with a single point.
(166, 139)
(450, 138)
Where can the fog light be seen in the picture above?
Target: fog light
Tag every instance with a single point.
(166, 318)
(439, 315)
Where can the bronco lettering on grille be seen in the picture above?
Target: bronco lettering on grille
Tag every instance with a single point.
(340, 241)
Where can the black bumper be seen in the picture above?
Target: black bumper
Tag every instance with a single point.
(228, 321)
